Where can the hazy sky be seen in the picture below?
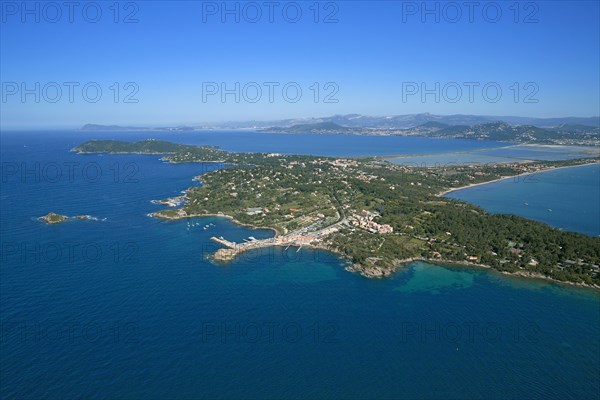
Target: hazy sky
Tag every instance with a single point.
(189, 62)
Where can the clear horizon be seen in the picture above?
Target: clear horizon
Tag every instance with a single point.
(216, 123)
(212, 62)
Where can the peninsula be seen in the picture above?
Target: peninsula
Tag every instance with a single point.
(376, 214)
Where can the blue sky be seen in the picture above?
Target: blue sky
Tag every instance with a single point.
(372, 58)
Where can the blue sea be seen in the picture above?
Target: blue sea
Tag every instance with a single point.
(567, 198)
(129, 307)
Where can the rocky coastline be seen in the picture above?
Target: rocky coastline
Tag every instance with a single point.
(53, 218)
(370, 271)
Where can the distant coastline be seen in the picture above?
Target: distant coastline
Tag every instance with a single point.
(558, 131)
(445, 192)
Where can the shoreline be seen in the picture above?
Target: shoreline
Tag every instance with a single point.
(519, 274)
(373, 271)
(380, 273)
(445, 192)
(229, 217)
(469, 265)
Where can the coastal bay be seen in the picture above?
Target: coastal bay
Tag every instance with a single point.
(348, 206)
(566, 198)
(153, 286)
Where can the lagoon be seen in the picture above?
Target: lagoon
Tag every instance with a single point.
(505, 154)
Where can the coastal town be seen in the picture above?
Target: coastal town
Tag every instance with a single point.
(376, 214)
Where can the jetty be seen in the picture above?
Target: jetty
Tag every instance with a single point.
(296, 239)
(224, 242)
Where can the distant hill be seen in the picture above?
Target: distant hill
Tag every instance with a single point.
(496, 130)
(577, 128)
(406, 121)
(321, 127)
(414, 120)
(96, 127)
(501, 131)
(562, 131)
(434, 125)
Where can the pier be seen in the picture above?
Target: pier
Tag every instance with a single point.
(224, 242)
(297, 239)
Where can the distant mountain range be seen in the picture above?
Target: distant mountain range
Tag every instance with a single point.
(499, 131)
(413, 120)
(565, 130)
(385, 122)
(319, 127)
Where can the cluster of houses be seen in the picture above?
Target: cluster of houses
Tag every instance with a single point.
(594, 268)
(293, 164)
(344, 163)
(515, 248)
(365, 220)
(254, 210)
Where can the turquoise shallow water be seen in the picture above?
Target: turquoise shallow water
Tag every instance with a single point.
(129, 307)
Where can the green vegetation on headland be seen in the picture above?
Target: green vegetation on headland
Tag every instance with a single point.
(380, 215)
(116, 147)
